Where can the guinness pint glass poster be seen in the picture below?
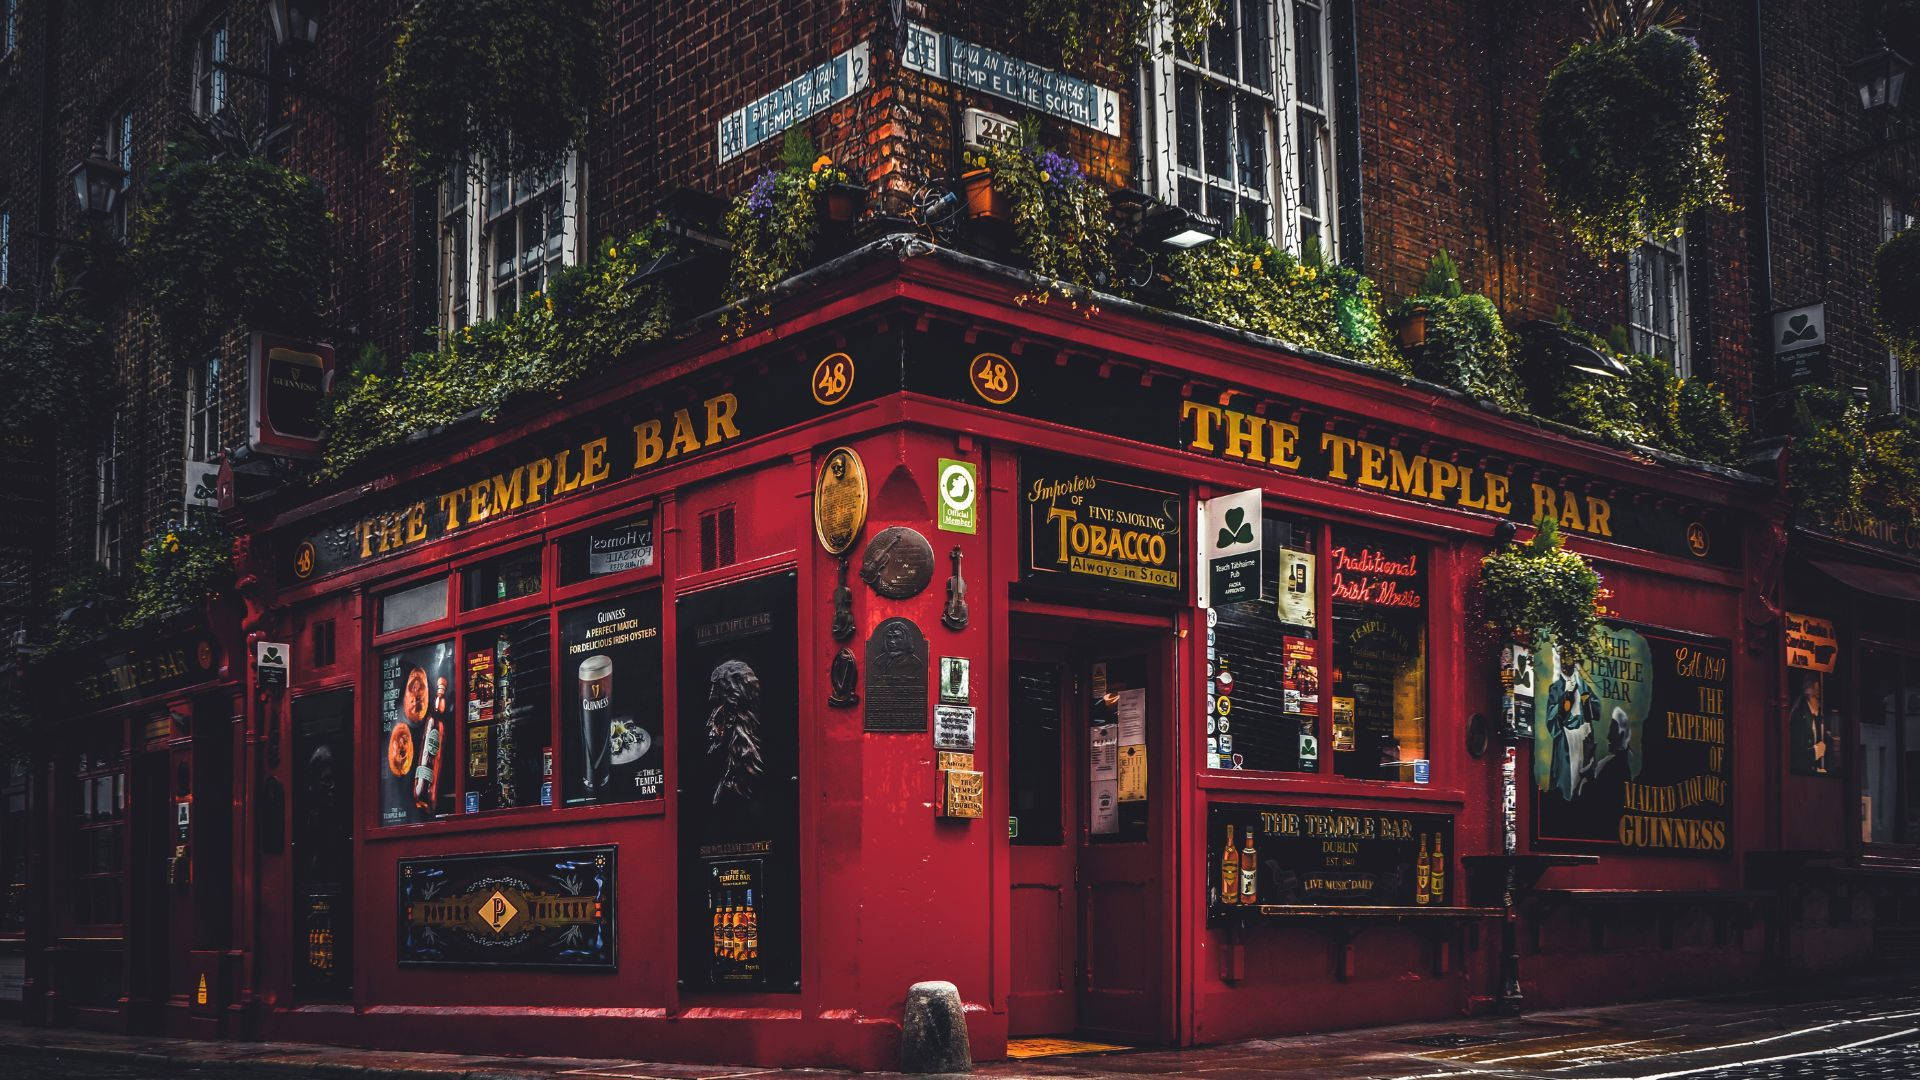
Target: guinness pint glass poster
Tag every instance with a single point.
(1630, 745)
(739, 787)
(416, 720)
(610, 700)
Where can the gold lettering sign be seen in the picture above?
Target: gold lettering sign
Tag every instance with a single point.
(965, 794)
(839, 500)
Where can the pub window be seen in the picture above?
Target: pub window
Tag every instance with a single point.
(1889, 745)
(1244, 126)
(1657, 302)
(97, 856)
(503, 236)
(560, 708)
(323, 643)
(503, 578)
(416, 605)
(210, 68)
(614, 547)
(1377, 584)
(1266, 658)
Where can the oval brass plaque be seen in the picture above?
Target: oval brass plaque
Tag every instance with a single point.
(898, 563)
(839, 500)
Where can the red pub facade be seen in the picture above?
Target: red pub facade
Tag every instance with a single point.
(591, 745)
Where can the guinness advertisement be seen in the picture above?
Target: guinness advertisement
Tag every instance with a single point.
(739, 785)
(1262, 857)
(613, 649)
(674, 422)
(1293, 438)
(1630, 745)
(1082, 522)
(536, 909)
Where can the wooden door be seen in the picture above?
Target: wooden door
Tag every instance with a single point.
(1123, 718)
(1045, 838)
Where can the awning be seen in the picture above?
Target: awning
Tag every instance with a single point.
(1893, 584)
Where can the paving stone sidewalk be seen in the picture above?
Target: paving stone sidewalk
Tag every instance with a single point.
(1853, 1029)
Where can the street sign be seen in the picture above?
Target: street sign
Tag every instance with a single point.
(812, 93)
(270, 663)
(1800, 344)
(981, 129)
(1230, 528)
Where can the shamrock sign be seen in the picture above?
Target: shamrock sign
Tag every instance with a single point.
(1235, 531)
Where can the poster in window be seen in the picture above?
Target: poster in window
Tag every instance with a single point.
(416, 687)
(1296, 597)
(1300, 684)
(507, 672)
(610, 712)
(1631, 745)
(738, 777)
(612, 548)
(1813, 725)
(537, 909)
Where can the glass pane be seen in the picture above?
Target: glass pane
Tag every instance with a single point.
(1257, 217)
(507, 577)
(1223, 45)
(1263, 659)
(413, 606)
(1253, 43)
(1190, 195)
(497, 195)
(1221, 203)
(1306, 54)
(1880, 707)
(613, 548)
(1251, 146)
(507, 752)
(1216, 116)
(1309, 162)
(1033, 754)
(1186, 125)
(1378, 585)
(1910, 750)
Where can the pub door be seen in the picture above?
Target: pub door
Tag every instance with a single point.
(1086, 764)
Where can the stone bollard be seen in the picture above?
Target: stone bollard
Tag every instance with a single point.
(933, 1036)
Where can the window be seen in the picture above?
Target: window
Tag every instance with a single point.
(1657, 302)
(9, 27)
(1274, 703)
(1897, 215)
(1245, 126)
(116, 145)
(503, 236)
(13, 850)
(6, 248)
(203, 410)
(209, 69)
(1889, 744)
(97, 857)
(110, 498)
(512, 703)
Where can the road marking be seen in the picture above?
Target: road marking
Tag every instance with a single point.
(1777, 1057)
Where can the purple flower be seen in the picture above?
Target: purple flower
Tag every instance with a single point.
(1061, 170)
(760, 196)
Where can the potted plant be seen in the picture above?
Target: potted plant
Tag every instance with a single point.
(978, 193)
(1631, 129)
(1057, 213)
(774, 225)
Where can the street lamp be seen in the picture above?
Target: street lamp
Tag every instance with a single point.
(295, 23)
(1880, 78)
(1176, 228)
(97, 183)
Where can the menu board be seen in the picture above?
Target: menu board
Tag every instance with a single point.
(1290, 855)
(416, 688)
(1630, 746)
(738, 777)
(610, 708)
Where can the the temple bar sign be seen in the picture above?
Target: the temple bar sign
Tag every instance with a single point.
(961, 62)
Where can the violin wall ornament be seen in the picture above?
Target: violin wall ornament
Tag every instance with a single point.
(955, 616)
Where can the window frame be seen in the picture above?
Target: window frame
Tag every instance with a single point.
(467, 288)
(1902, 837)
(1323, 522)
(116, 146)
(460, 624)
(203, 410)
(1903, 384)
(6, 246)
(212, 43)
(109, 531)
(1159, 109)
(118, 769)
(1670, 259)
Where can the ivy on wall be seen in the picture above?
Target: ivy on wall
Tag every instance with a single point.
(55, 369)
(1090, 29)
(512, 81)
(1842, 462)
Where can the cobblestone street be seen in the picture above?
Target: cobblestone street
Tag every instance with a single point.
(1853, 1032)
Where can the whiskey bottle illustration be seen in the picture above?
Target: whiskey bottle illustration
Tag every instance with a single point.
(1422, 873)
(1437, 873)
(1249, 872)
(1230, 871)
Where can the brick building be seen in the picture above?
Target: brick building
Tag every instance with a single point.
(1381, 133)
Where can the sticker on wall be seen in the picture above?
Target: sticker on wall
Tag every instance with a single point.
(959, 496)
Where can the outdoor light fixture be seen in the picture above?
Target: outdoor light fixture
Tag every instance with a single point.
(1880, 78)
(96, 184)
(1177, 229)
(1576, 353)
(295, 23)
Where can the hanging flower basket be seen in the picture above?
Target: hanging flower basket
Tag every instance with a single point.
(1541, 592)
(982, 198)
(1631, 134)
(1410, 324)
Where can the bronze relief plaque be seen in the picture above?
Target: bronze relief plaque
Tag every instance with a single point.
(896, 677)
(898, 563)
(839, 500)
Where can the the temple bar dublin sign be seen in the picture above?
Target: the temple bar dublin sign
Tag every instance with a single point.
(813, 93)
(961, 62)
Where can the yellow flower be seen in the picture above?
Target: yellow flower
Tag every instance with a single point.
(613, 252)
(1256, 262)
(1044, 178)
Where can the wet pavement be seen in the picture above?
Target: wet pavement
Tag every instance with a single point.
(1854, 1032)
